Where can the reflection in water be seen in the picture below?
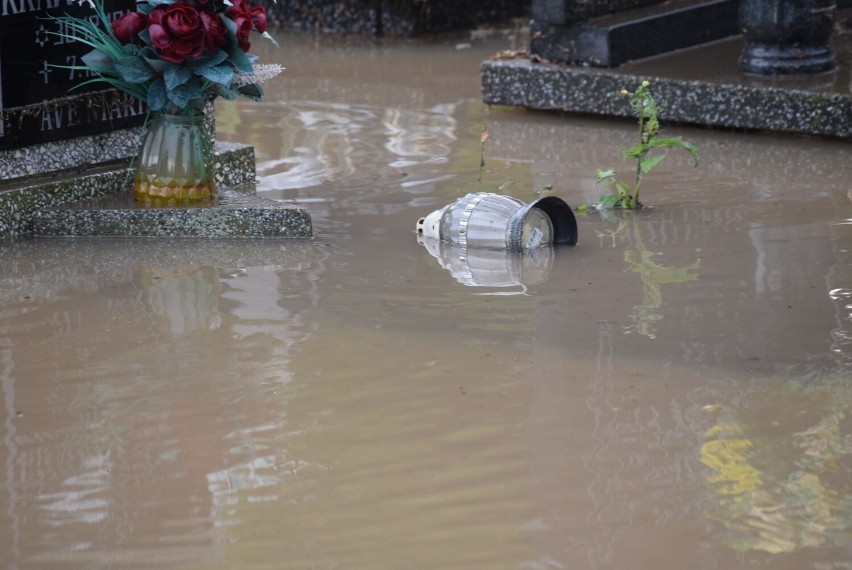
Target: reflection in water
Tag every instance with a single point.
(184, 298)
(783, 485)
(479, 267)
(416, 137)
(79, 498)
(134, 376)
(652, 274)
(316, 145)
(323, 143)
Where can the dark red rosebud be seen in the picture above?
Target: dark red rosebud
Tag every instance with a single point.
(128, 26)
(243, 14)
(258, 16)
(215, 33)
(244, 28)
(238, 8)
(177, 31)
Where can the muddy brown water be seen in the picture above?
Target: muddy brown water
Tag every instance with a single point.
(673, 392)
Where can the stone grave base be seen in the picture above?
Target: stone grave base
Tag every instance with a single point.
(234, 212)
(700, 86)
(98, 201)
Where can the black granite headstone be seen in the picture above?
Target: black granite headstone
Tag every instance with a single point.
(35, 103)
(563, 12)
(607, 33)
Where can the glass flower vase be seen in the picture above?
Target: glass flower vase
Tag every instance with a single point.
(175, 162)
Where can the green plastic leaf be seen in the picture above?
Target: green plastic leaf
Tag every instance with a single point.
(253, 91)
(157, 98)
(239, 59)
(176, 76)
(157, 65)
(221, 74)
(98, 61)
(88, 33)
(184, 93)
(226, 92)
(229, 25)
(133, 69)
(132, 49)
(209, 60)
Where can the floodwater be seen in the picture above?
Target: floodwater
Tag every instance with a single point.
(673, 392)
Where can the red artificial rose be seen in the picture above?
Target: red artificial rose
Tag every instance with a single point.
(127, 26)
(177, 31)
(215, 34)
(239, 7)
(244, 28)
(258, 16)
(246, 18)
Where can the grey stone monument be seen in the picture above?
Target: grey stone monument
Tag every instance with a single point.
(65, 152)
(787, 37)
(784, 81)
(37, 105)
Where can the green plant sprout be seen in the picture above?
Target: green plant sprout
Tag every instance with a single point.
(626, 195)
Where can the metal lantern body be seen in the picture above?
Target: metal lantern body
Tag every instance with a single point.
(494, 221)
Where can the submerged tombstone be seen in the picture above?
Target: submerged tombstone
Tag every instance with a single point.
(50, 133)
(36, 104)
(787, 37)
(607, 33)
(65, 151)
(581, 56)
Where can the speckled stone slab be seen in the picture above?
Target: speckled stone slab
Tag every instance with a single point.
(21, 199)
(80, 152)
(232, 213)
(59, 155)
(704, 90)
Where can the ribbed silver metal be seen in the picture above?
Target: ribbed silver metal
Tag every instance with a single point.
(495, 221)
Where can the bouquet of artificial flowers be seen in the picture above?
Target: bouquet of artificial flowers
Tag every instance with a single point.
(175, 55)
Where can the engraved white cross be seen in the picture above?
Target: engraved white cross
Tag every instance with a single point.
(45, 70)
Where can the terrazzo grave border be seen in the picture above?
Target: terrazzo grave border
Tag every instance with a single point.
(19, 203)
(521, 83)
(58, 155)
(232, 214)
